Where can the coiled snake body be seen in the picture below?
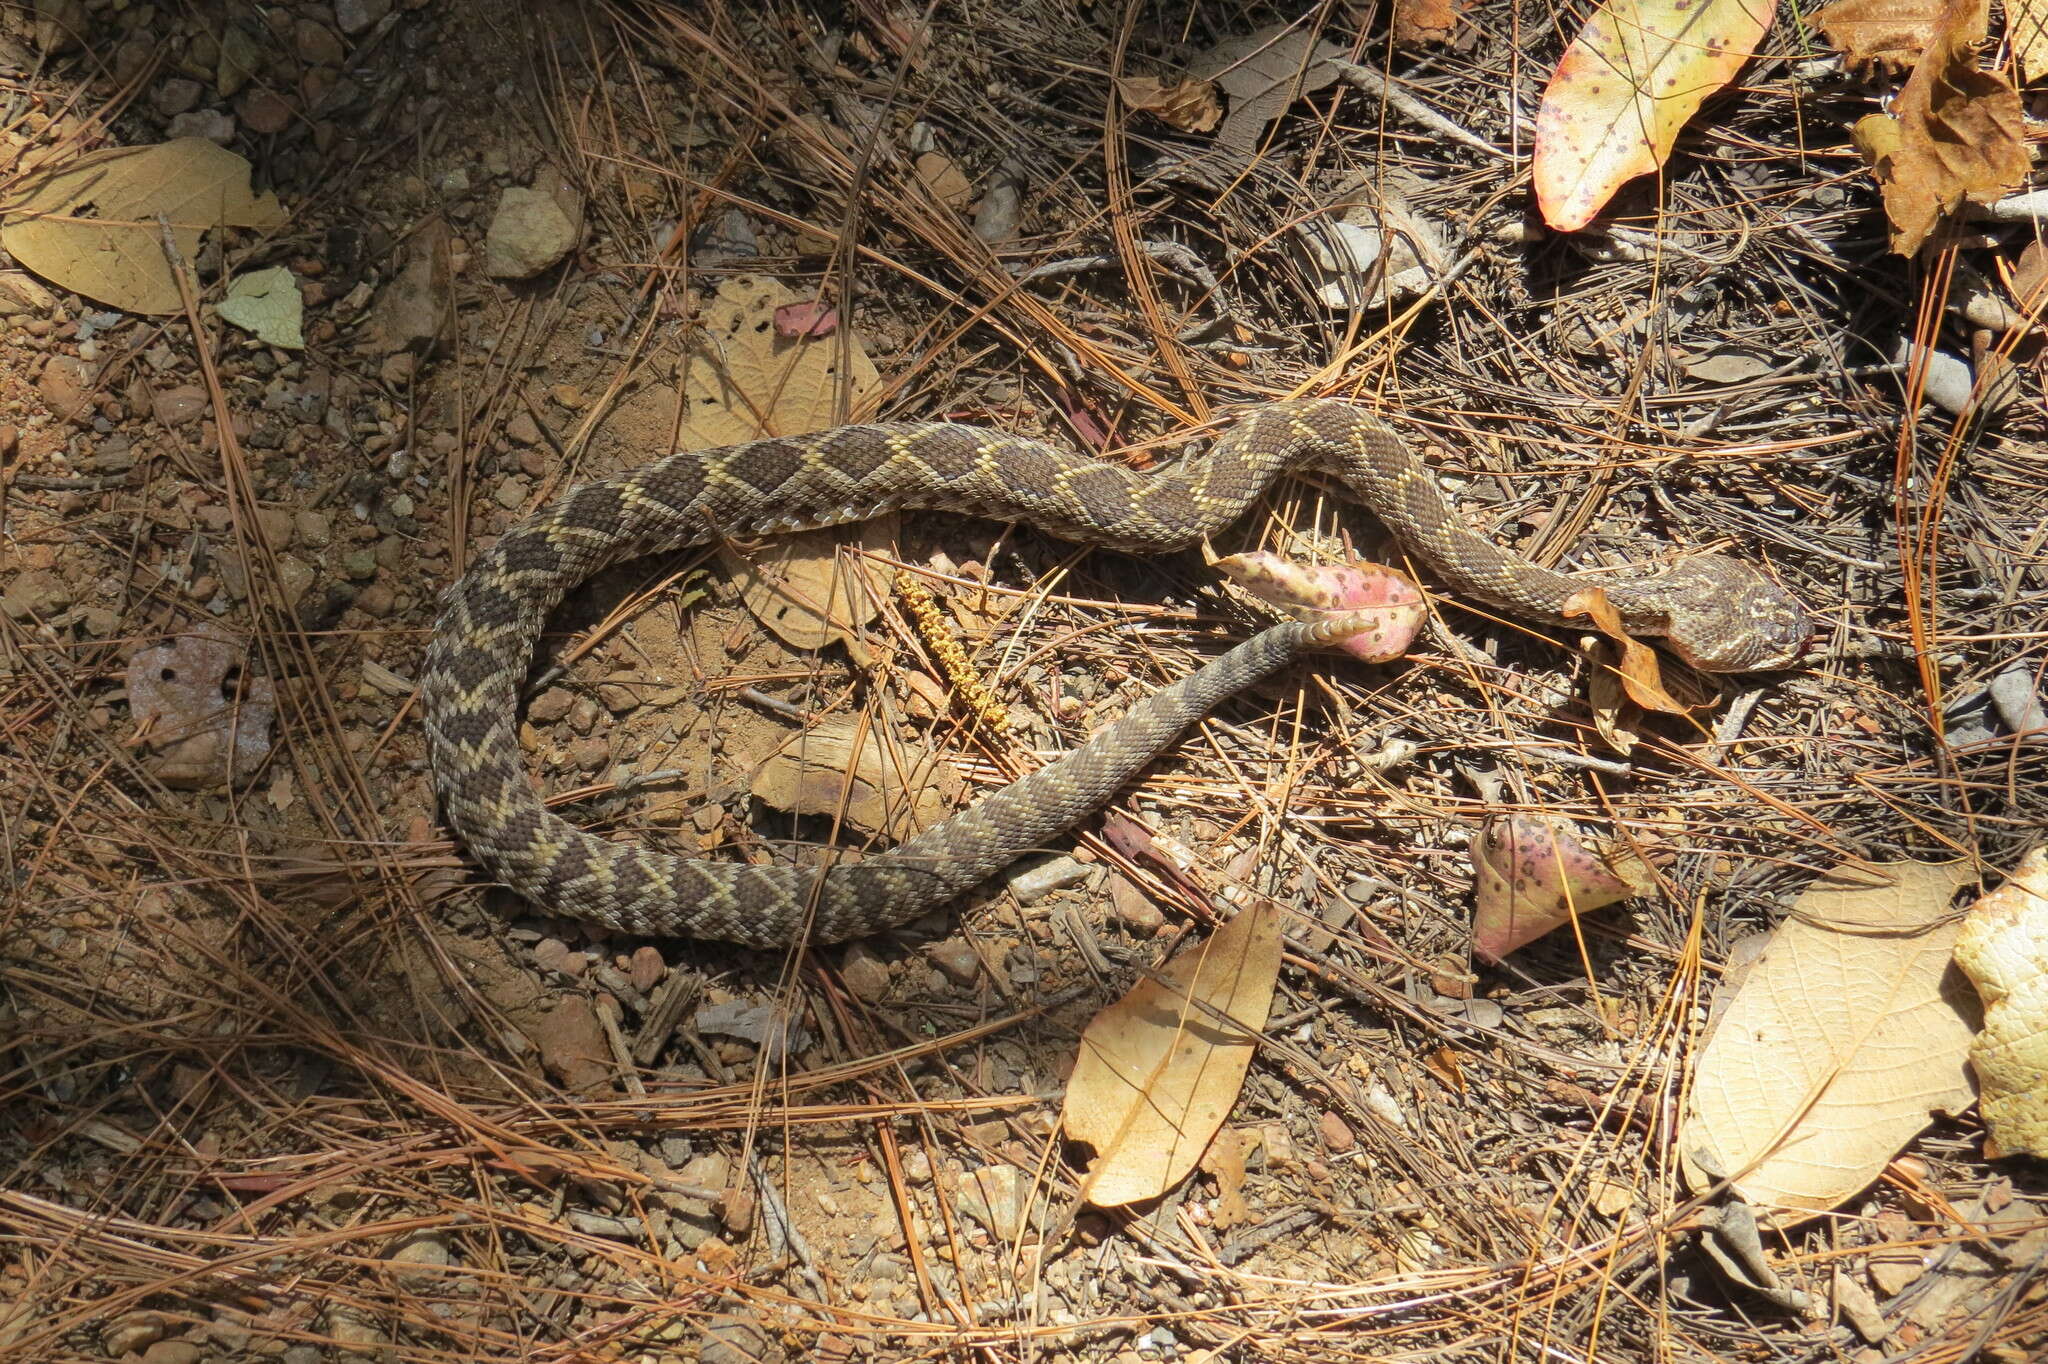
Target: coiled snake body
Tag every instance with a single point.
(1719, 613)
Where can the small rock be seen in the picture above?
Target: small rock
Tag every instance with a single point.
(572, 1046)
(425, 1250)
(38, 593)
(865, 974)
(998, 1197)
(550, 706)
(1133, 908)
(736, 1210)
(1337, 1137)
(1040, 879)
(173, 1352)
(66, 386)
(361, 565)
(133, 1333)
(956, 960)
(176, 95)
(212, 124)
(318, 44)
(528, 234)
(412, 312)
(376, 600)
(179, 406)
(646, 968)
(264, 111)
(313, 529)
(735, 1340)
(240, 59)
(356, 17)
(10, 440)
(512, 491)
(522, 429)
(60, 25)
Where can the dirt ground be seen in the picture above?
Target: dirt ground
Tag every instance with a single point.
(282, 1078)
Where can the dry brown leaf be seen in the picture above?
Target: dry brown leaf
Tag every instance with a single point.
(1532, 873)
(1641, 676)
(1159, 1069)
(1417, 23)
(1890, 33)
(1224, 1161)
(92, 226)
(1187, 104)
(2003, 949)
(1844, 1037)
(1955, 132)
(750, 380)
(1263, 73)
(896, 789)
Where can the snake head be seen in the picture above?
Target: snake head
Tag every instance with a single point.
(1728, 616)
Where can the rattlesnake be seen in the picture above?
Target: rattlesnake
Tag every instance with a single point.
(1719, 613)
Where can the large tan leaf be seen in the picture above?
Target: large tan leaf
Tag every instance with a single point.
(750, 379)
(1845, 1035)
(1630, 80)
(840, 765)
(1955, 132)
(1159, 1071)
(2003, 948)
(92, 226)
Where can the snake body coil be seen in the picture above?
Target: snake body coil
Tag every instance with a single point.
(1719, 613)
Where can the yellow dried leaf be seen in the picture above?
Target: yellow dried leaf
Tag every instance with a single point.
(1955, 132)
(92, 225)
(1160, 1068)
(1187, 104)
(1842, 1039)
(1631, 79)
(2003, 949)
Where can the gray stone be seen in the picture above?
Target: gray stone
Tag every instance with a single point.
(528, 234)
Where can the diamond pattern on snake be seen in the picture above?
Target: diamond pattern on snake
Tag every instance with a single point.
(1718, 613)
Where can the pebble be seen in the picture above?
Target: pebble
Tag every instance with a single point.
(1040, 879)
(355, 17)
(212, 124)
(318, 44)
(522, 429)
(39, 593)
(66, 386)
(1133, 908)
(10, 440)
(264, 112)
(376, 600)
(179, 406)
(528, 234)
(313, 529)
(423, 1250)
(132, 1334)
(550, 706)
(240, 58)
(646, 968)
(956, 960)
(865, 974)
(1337, 1137)
(361, 565)
(511, 492)
(176, 96)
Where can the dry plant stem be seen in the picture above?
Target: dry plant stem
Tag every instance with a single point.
(1385, 89)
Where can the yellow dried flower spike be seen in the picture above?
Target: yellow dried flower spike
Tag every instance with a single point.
(939, 638)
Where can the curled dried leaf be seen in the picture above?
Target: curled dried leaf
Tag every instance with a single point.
(2003, 949)
(1187, 104)
(1534, 872)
